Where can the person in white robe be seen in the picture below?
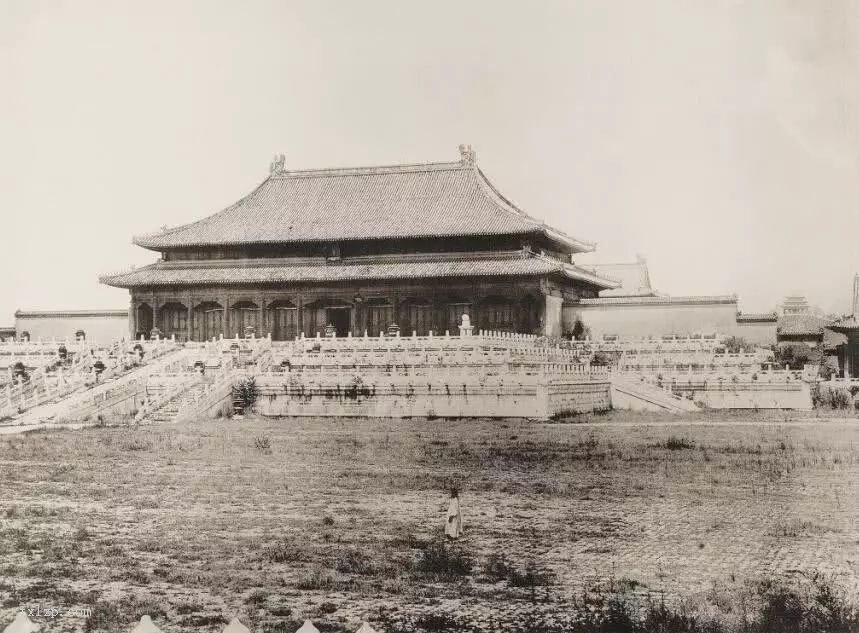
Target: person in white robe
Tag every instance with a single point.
(453, 527)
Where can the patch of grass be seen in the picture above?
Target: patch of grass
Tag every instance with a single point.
(257, 597)
(136, 576)
(283, 552)
(676, 443)
(81, 534)
(531, 577)
(263, 444)
(135, 444)
(444, 561)
(315, 580)
(110, 616)
(281, 611)
(199, 620)
(498, 568)
(352, 561)
(408, 542)
(797, 528)
(184, 608)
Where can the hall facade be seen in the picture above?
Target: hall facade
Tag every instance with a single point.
(360, 250)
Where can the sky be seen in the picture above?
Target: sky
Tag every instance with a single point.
(717, 138)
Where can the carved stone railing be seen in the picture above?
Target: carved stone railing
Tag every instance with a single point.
(219, 390)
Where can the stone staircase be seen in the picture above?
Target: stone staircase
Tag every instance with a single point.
(628, 392)
(168, 411)
(82, 401)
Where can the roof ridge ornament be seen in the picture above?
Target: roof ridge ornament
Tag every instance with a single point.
(467, 155)
(277, 165)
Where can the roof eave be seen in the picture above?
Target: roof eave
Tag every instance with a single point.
(143, 243)
(153, 243)
(575, 246)
(574, 272)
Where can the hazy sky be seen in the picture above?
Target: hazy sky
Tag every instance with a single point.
(719, 138)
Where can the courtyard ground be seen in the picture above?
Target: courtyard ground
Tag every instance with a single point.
(341, 520)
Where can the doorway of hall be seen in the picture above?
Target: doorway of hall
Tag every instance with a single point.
(341, 319)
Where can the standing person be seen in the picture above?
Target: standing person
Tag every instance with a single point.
(453, 527)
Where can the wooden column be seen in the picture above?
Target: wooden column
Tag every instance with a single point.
(132, 318)
(225, 322)
(189, 326)
(261, 320)
(156, 321)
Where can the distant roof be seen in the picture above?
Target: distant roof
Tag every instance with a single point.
(844, 325)
(53, 314)
(833, 338)
(660, 300)
(399, 201)
(634, 279)
(757, 317)
(800, 325)
(261, 271)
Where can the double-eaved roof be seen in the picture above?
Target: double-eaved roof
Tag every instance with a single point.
(366, 203)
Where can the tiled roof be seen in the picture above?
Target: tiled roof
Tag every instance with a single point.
(833, 338)
(757, 317)
(634, 279)
(620, 301)
(800, 325)
(261, 271)
(842, 326)
(403, 201)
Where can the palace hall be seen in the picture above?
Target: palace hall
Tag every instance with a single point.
(359, 250)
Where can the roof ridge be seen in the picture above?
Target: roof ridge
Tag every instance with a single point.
(370, 170)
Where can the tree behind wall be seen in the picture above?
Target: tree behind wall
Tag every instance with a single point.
(736, 345)
(580, 331)
(797, 355)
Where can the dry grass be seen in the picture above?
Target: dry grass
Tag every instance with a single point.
(341, 520)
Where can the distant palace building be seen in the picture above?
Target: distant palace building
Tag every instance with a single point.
(357, 250)
(635, 309)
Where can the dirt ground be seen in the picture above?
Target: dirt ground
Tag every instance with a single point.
(341, 520)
